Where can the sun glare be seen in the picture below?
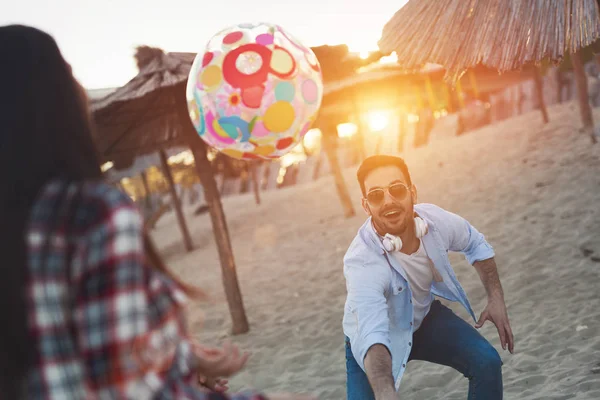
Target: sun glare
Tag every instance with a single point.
(293, 157)
(106, 166)
(185, 157)
(391, 59)
(378, 120)
(312, 139)
(346, 130)
(364, 55)
(413, 118)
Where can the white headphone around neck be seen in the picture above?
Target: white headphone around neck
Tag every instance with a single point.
(394, 243)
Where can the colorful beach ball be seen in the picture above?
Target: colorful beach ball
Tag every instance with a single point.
(254, 92)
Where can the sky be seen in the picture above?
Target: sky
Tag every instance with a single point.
(98, 37)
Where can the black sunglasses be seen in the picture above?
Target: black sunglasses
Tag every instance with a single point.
(398, 191)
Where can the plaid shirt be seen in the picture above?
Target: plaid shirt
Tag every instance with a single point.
(104, 324)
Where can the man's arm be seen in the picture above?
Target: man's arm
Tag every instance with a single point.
(495, 311)
(378, 365)
(368, 325)
(488, 273)
(464, 238)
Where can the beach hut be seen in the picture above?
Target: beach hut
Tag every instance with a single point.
(500, 34)
(149, 114)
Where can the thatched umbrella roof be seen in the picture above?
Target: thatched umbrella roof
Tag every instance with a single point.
(500, 34)
(385, 85)
(141, 117)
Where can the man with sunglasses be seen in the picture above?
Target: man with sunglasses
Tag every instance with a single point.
(395, 266)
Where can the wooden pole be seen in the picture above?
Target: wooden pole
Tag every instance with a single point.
(329, 137)
(254, 178)
(582, 94)
(459, 95)
(520, 96)
(317, 168)
(360, 132)
(430, 94)
(559, 86)
(219, 224)
(266, 176)
(448, 99)
(145, 183)
(473, 83)
(539, 92)
(514, 100)
(420, 102)
(147, 199)
(217, 217)
(187, 240)
(223, 179)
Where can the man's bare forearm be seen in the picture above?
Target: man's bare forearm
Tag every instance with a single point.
(488, 273)
(378, 365)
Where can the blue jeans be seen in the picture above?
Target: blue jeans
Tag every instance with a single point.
(446, 339)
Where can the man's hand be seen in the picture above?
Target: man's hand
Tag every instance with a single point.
(496, 313)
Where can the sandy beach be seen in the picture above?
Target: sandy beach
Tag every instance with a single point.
(532, 189)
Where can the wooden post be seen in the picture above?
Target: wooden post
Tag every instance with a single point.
(448, 99)
(473, 83)
(329, 137)
(539, 92)
(317, 168)
(420, 102)
(217, 216)
(266, 176)
(582, 94)
(147, 199)
(430, 94)
(187, 240)
(360, 131)
(145, 183)
(254, 178)
(514, 100)
(459, 95)
(223, 179)
(559, 85)
(520, 98)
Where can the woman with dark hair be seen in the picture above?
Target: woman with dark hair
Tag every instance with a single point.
(87, 308)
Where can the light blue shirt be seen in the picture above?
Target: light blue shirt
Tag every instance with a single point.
(378, 306)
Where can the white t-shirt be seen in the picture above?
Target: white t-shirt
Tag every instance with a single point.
(419, 272)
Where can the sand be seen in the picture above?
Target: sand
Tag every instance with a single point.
(532, 189)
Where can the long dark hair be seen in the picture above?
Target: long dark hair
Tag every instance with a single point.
(45, 134)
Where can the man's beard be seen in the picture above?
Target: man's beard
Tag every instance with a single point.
(396, 229)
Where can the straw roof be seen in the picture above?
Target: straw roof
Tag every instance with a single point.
(141, 117)
(500, 34)
(390, 85)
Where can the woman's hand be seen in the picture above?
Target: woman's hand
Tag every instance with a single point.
(214, 384)
(213, 362)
